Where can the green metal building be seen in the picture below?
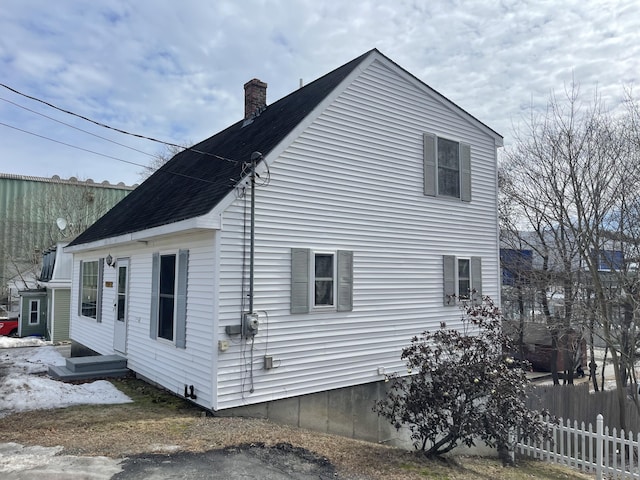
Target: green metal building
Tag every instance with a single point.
(37, 212)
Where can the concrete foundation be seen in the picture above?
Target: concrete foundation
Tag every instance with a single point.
(346, 411)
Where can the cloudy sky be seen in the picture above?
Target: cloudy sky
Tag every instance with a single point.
(174, 70)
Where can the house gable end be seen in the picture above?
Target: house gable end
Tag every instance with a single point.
(196, 181)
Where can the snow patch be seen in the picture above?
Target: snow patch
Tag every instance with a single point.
(24, 388)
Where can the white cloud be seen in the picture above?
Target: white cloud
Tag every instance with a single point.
(175, 70)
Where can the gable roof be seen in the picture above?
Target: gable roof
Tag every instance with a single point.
(193, 182)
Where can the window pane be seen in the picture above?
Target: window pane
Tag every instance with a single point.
(167, 274)
(323, 281)
(324, 265)
(167, 296)
(324, 292)
(33, 313)
(448, 183)
(121, 303)
(448, 154)
(464, 279)
(122, 293)
(122, 280)
(89, 293)
(165, 320)
(448, 168)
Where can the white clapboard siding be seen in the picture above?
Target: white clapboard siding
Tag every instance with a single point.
(156, 360)
(353, 181)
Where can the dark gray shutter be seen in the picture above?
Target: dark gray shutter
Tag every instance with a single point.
(99, 293)
(155, 295)
(429, 161)
(465, 172)
(80, 291)
(476, 279)
(345, 281)
(449, 285)
(181, 301)
(300, 280)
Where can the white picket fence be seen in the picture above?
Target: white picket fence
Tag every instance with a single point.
(609, 455)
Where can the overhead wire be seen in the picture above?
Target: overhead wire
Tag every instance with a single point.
(171, 172)
(76, 128)
(72, 146)
(104, 125)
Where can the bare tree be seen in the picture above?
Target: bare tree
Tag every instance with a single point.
(160, 158)
(571, 183)
(538, 190)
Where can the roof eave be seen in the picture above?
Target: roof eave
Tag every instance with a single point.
(203, 222)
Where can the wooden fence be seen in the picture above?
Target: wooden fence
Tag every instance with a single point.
(610, 455)
(577, 403)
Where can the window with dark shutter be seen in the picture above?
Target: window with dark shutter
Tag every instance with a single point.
(462, 279)
(321, 280)
(447, 167)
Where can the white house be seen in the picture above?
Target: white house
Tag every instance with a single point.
(374, 208)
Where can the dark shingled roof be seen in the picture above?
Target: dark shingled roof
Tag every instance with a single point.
(191, 183)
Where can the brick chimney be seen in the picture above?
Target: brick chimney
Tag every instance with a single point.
(255, 97)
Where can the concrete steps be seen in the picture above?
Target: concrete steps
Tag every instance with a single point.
(84, 368)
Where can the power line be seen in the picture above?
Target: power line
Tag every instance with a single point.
(114, 128)
(104, 155)
(72, 146)
(76, 128)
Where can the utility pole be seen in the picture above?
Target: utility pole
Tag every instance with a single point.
(255, 156)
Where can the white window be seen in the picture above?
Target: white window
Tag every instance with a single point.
(34, 312)
(323, 284)
(90, 295)
(321, 280)
(447, 168)
(169, 297)
(462, 279)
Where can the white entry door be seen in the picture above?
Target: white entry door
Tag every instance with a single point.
(121, 306)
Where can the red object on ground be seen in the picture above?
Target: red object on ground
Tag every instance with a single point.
(9, 327)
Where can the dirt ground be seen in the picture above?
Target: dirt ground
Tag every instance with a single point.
(160, 423)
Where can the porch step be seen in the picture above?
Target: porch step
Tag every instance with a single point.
(83, 368)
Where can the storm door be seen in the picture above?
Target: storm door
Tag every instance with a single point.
(121, 306)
